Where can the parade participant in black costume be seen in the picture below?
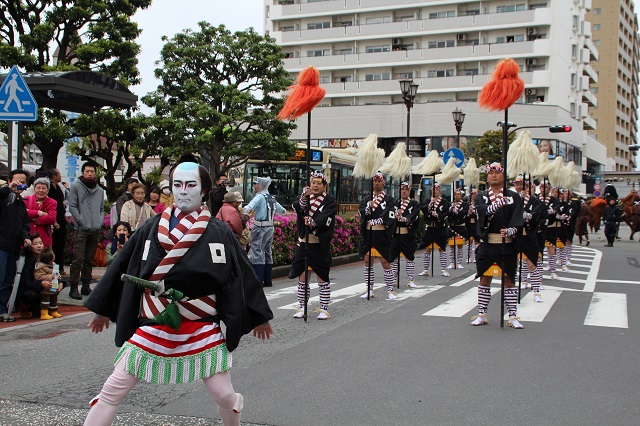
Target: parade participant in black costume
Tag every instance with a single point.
(611, 217)
(553, 225)
(534, 211)
(472, 227)
(500, 214)
(435, 211)
(316, 212)
(377, 226)
(404, 240)
(172, 334)
(458, 213)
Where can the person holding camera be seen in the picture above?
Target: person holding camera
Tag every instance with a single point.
(121, 232)
(217, 194)
(13, 234)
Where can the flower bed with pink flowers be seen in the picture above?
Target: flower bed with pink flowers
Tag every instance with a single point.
(345, 239)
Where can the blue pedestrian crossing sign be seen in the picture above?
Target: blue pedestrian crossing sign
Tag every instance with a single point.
(454, 153)
(16, 101)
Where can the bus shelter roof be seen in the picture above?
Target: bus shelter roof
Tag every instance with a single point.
(77, 91)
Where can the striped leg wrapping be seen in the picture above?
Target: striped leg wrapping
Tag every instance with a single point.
(511, 300)
(301, 293)
(411, 269)
(452, 259)
(443, 259)
(569, 252)
(459, 254)
(563, 256)
(536, 278)
(395, 266)
(484, 297)
(368, 276)
(389, 279)
(426, 260)
(552, 262)
(325, 295)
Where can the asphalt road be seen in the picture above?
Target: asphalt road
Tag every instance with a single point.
(412, 361)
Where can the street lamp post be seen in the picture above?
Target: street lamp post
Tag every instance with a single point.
(458, 119)
(409, 91)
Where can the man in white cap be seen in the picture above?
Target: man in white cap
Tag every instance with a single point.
(166, 197)
(264, 207)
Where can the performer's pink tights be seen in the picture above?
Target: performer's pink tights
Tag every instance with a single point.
(120, 383)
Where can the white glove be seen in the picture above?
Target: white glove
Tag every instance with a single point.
(527, 216)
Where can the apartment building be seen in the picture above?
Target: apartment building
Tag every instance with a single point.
(449, 48)
(614, 27)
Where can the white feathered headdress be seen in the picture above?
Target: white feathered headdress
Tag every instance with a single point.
(449, 174)
(369, 158)
(398, 163)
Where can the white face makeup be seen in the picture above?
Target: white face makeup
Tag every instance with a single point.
(187, 187)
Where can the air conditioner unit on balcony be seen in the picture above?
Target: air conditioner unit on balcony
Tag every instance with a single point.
(532, 31)
(532, 92)
(462, 37)
(532, 62)
(397, 41)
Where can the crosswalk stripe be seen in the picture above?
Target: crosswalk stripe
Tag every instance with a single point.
(416, 293)
(573, 280)
(607, 310)
(287, 291)
(459, 305)
(531, 311)
(619, 282)
(337, 295)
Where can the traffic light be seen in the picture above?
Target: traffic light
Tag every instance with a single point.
(560, 128)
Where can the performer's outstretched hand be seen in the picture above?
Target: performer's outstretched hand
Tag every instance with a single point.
(98, 323)
(263, 331)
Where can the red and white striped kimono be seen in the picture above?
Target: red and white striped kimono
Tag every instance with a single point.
(211, 269)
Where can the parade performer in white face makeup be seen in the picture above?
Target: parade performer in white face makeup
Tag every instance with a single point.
(201, 277)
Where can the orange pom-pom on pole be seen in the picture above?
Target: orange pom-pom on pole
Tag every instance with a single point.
(305, 95)
(504, 88)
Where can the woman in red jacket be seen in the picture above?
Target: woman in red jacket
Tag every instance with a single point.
(41, 210)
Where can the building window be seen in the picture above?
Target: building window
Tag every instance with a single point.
(318, 25)
(377, 76)
(377, 49)
(325, 79)
(319, 52)
(440, 73)
(473, 71)
(511, 8)
(343, 24)
(596, 27)
(445, 14)
(594, 90)
(383, 20)
(596, 42)
(510, 38)
(344, 79)
(287, 28)
(441, 44)
(597, 11)
(537, 6)
(348, 51)
(403, 75)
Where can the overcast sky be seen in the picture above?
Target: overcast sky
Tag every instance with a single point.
(169, 17)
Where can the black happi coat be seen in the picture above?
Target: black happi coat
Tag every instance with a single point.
(436, 226)
(508, 216)
(324, 218)
(385, 210)
(529, 243)
(406, 243)
(458, 222)
(318, 256)
(411, 213)
(240, 300)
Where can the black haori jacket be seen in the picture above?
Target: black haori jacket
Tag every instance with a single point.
(206, 268)
(442, 211)
(411, 213)
(385, 210)
(324, 218)
(538, 211)
(508, 216)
